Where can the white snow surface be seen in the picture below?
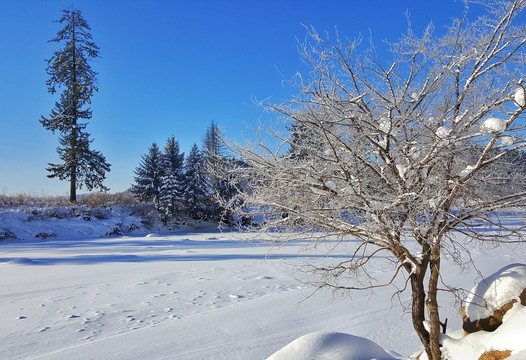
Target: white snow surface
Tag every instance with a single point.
(334, 346)
(194, 295)
(495, 291)
(509, 336)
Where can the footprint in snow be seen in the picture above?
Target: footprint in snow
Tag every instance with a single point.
(264, 278)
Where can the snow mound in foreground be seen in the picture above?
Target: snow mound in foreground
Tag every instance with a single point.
(331, 345)
(519, 356)
(509, 336)
(495, 291)
(491, 294)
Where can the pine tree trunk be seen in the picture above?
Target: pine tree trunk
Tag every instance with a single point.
(73, 186)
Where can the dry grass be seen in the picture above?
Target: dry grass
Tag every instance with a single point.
(495, 355)
(90, 200)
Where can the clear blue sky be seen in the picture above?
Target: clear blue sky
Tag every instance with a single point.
(168, 67)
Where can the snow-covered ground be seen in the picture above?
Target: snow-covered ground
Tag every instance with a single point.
(189, 295)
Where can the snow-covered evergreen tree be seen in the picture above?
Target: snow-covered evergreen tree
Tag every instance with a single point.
(171, 183)
(148, 176)
(69, 68)
(215, 164)
(213, 143)
(196, 185)
(303, 143)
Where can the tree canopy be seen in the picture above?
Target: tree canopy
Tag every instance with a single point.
(409, 157)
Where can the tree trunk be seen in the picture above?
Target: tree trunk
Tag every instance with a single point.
(432, 303)
(73, 186)
(418, 308)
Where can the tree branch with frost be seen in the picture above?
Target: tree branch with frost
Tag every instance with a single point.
(407, 157)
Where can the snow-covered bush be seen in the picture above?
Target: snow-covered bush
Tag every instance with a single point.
(6, 234)
(60, 221)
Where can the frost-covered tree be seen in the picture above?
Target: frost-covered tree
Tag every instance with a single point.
(410, 153)
(213, 144)
(196, 186)
(214, 151)
(69, 69)
(172, 181)
(149, 175)
(303, 142)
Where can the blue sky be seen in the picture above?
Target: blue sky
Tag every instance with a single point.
(169, 68)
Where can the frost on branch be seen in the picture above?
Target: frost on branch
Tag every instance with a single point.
(518, 96)
(409, 179)
(493, 125)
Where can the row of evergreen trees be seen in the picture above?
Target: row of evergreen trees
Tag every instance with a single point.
(180, 185)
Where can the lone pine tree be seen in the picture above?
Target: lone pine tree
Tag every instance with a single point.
(70, 70)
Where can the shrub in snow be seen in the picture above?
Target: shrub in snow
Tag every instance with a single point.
(495, 355)
(6, 234)
(331, 345)
(45, 235)
(491, 299)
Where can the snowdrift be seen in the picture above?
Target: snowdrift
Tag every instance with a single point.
(331, 345)
(495, 301)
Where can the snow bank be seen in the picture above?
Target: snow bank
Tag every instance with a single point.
(26, 222)
(519, 356)
(509, 336)
(491, 294)
(331, 345)
(496, 291)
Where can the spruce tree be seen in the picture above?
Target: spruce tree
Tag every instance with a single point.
(214, 146)
(196, 185)
(171, 187)
(216, 165)
(303, 143)
(148, 176)
(69, 69)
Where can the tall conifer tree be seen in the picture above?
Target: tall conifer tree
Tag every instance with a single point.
(171, 187)
(148, 176)
(70, 70)
(196, 185)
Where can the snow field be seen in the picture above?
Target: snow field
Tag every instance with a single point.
(201, 295)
